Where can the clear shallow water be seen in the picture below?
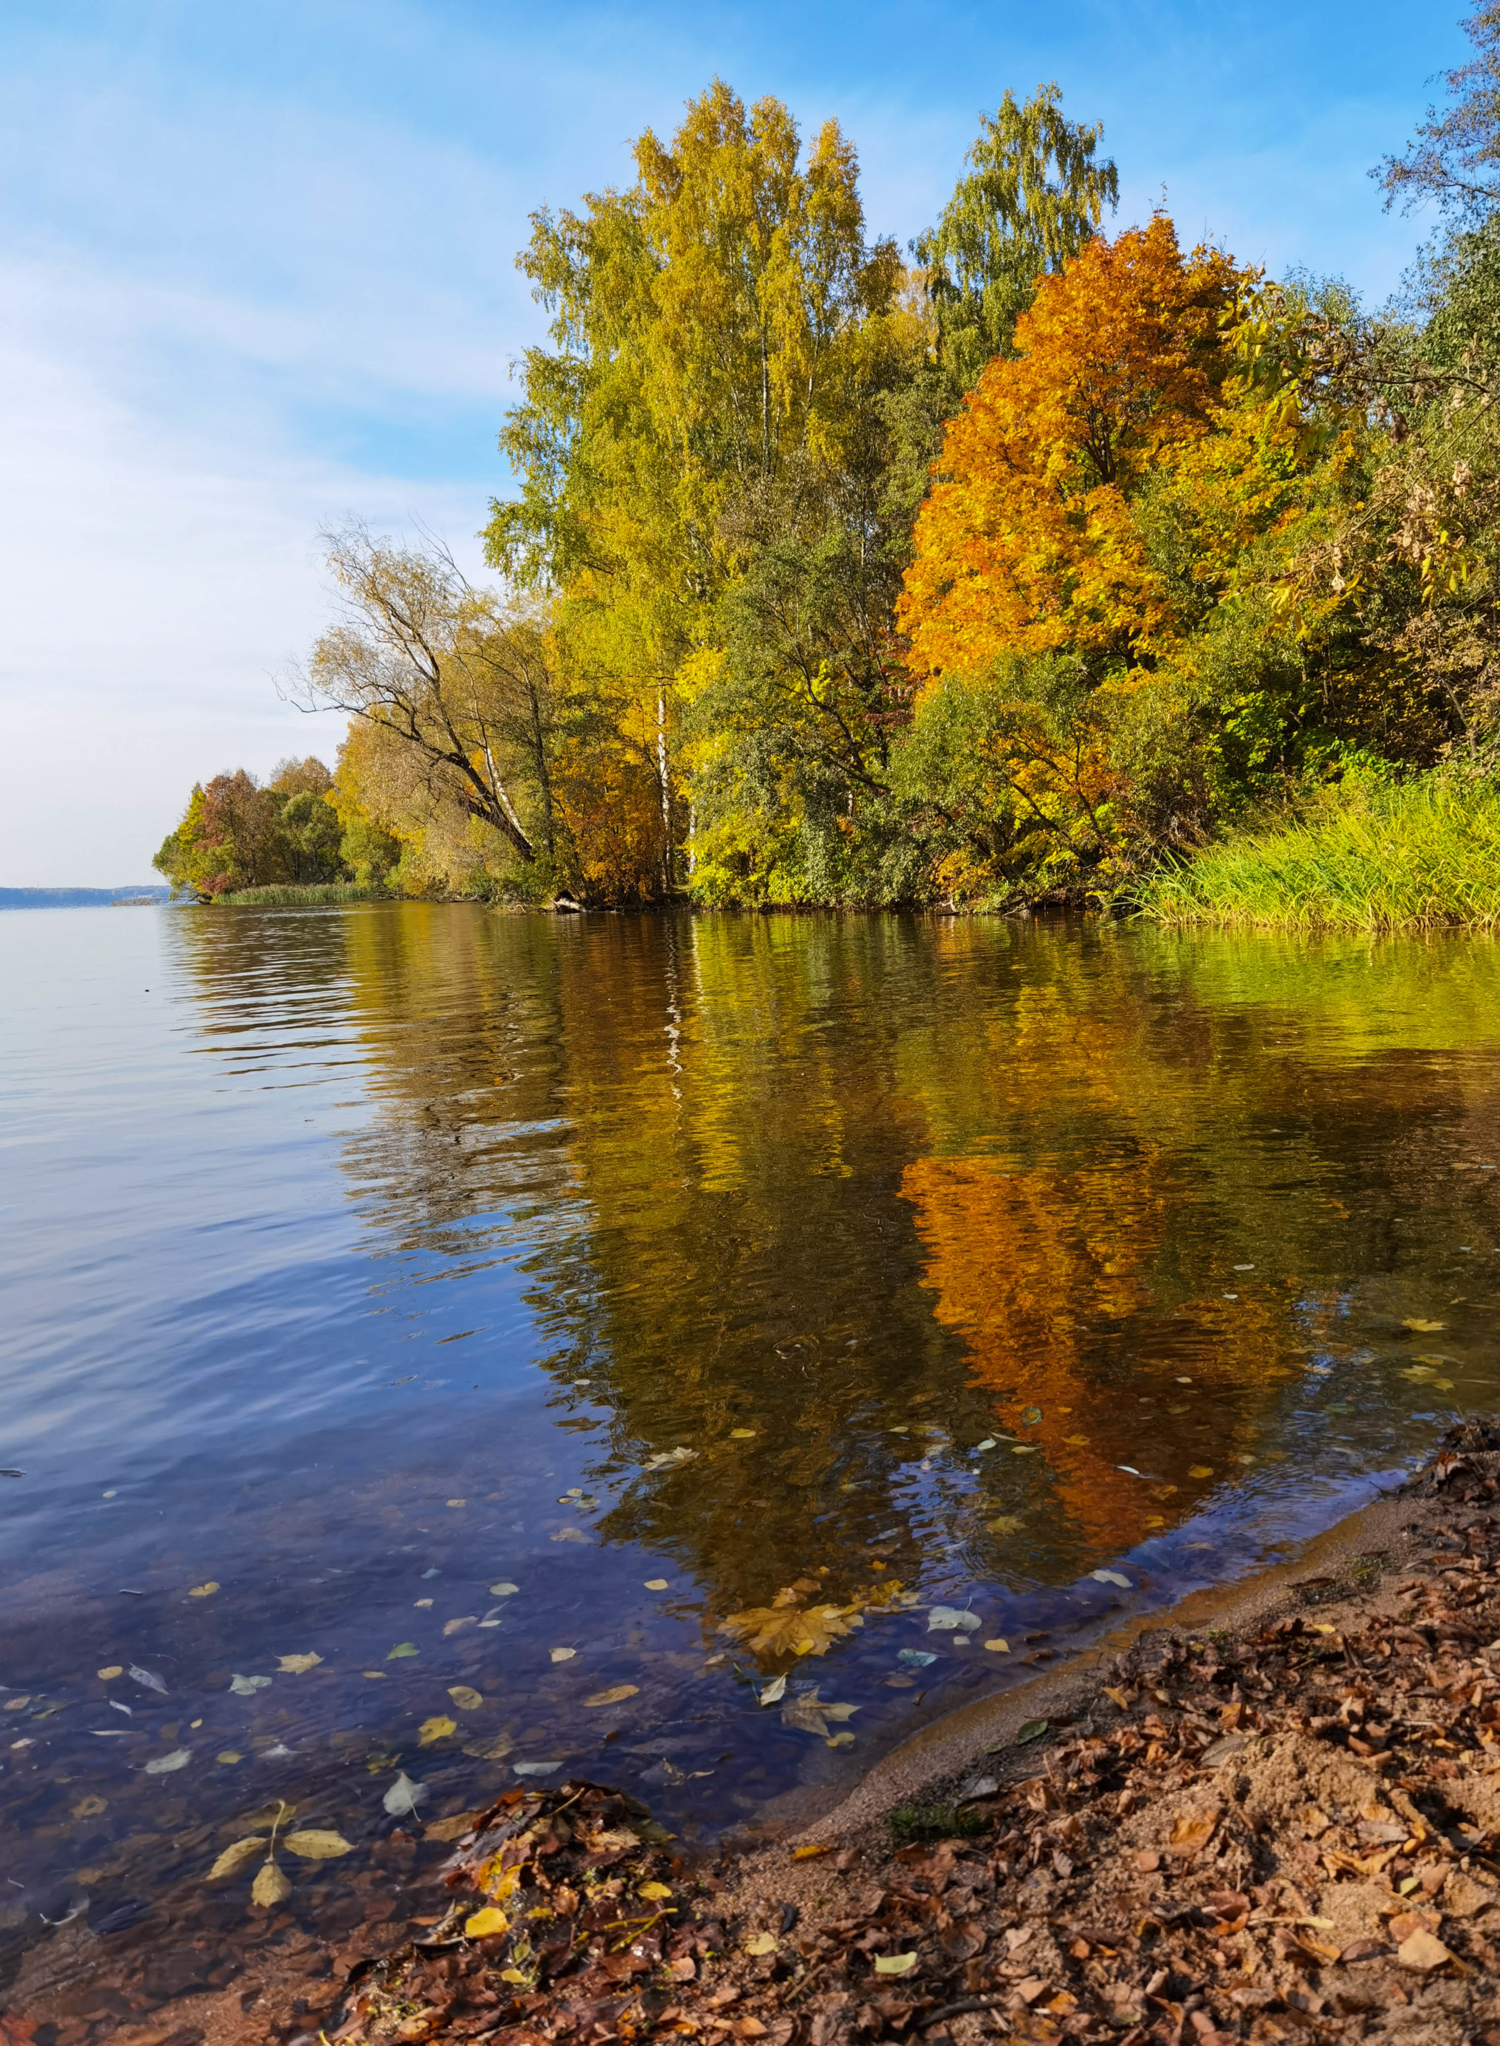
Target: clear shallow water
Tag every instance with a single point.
(359, 1261)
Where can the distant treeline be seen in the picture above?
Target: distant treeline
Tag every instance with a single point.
(79, 898)
(1024, 565)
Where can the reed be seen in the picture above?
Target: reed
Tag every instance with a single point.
(1415, 857)
(323, 891)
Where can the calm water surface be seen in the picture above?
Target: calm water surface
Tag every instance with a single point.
(426, 1330)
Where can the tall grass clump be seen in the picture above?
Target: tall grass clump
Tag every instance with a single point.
(315, 892)
(1416, 856)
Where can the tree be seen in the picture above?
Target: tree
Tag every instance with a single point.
(710, 368)
(1454, 158)
(450, 673)
(1032, 198)
(1027, 546)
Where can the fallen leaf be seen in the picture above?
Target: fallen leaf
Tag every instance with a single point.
(246, 1687)
(203, 1590)
(743, 1434)
(1117, 1697)
(90, 1807)
(269, 1887)
(298, 1665)
(839, 1740)
(998, 1646)
(317, 1845)
(229, 1756)
(165, 1765)
(762, 1943)
(656, 1584)
(486, 1923)
(111, 1672)
(147, 1677)
(231, 1858)
(948, 1619)
(458, 1502)
(1112, 1577)
(569, 1534)
(535, 1768)
(773, 1691)
(403, 1795)
(454, 1626)
(1024, 1449)
(503, 1589)
(1420, 1949)
(402, 1648)
(491, 1751)
(895, 1964)
(1192, 1831)
(1031, 1731)
(1424, 1328)
(1005, 1524)
(785, 1627)
(916, 1658)
(811, 1714)
(1201, 1470)
(653, 1891)
(614, 1696)
(435, 1729)
(465, 1697)
(450, 1829)
(562, 1654)
(810, 1853)
(988, 1443)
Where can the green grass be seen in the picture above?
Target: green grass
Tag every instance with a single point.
(323, 891)
(1415, 857)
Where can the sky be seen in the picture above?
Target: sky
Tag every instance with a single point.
(257, 275)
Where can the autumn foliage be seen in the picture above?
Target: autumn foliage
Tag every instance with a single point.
(1027, 544)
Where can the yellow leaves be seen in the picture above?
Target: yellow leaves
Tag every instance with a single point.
(1201, 1470)
(402, 1649)
(654, 1893)
(999, 1646)
(486, 1923)
(435, 1729)
(656, 1584)
(614, 1696)
(1424, 1328)
(810, 1852)
(270, 1887)
(204, 1590)
(316, 1844)
(233, 1856)
(465, 1697)
(298, 1665)
(562, 1654)
(895, 1964)
(90, 1807)
(786, 1627)
(761, 1943)
(112, 1671)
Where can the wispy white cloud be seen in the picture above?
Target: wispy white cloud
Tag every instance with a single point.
(256, 272)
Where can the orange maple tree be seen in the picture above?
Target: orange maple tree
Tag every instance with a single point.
(1026, 544)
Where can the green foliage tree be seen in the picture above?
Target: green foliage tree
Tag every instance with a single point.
(1033, 195)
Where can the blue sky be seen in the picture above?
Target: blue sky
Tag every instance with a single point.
(257, 274)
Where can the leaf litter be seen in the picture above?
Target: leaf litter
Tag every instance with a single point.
(1289, 1834)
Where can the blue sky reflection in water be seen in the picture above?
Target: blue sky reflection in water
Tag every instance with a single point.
(363, 1263)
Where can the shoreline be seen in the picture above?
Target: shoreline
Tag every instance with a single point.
(303, 1995)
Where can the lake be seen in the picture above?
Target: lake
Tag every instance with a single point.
(444, 1348)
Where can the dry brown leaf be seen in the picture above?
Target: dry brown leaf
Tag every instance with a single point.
(1193, 1831)
(787, 1628)
(1422, 1950)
